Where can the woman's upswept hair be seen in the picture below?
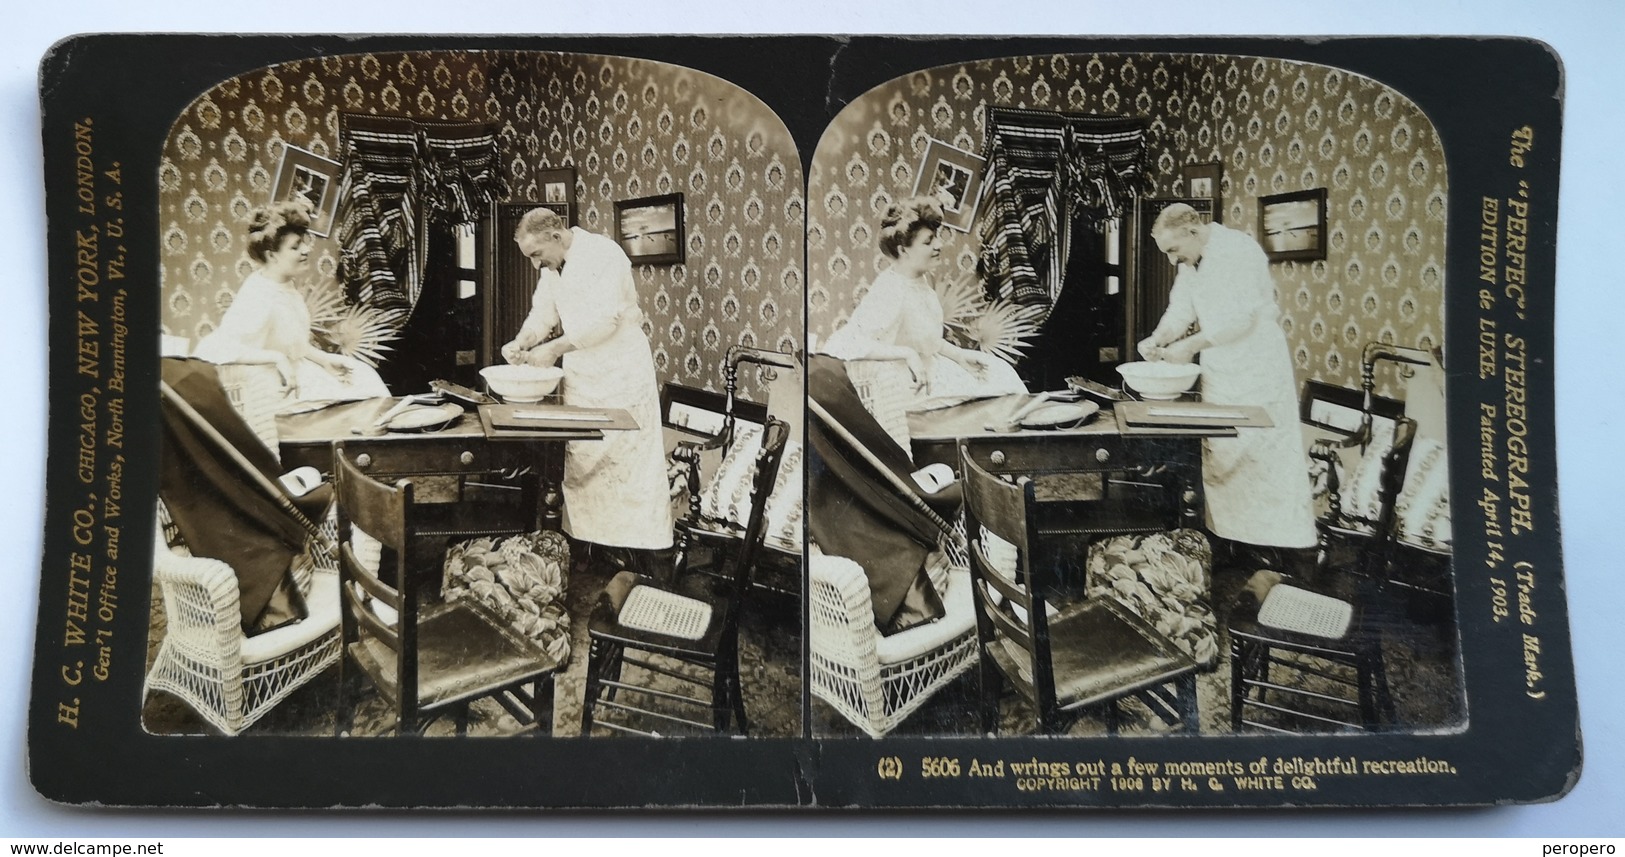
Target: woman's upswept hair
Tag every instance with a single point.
(904, 219)
(267, 226)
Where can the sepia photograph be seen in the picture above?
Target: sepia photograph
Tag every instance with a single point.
(310, 179)
(1293, 225)
(416, 474)
(1203, 181)
(953, 176)
(1098, 464)
(651, 228)
(1023, 423)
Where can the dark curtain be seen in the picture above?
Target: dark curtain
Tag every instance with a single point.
(1088, 316)
(1045, 167)
(406, 184)
(400, 178)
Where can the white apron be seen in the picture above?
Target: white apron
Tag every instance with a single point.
(615, 490)
(1257, 484)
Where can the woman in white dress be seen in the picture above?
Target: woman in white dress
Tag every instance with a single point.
(268, 322)
(901, 319)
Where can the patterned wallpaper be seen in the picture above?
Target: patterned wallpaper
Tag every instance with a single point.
(630, 127)
(1275, 125)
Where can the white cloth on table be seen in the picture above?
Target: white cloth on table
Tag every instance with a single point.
(900, 311)
(270, 316)
(1257, 484)
(615, 490)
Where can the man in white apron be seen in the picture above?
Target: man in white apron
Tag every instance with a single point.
(1257, 484)
(615, 490)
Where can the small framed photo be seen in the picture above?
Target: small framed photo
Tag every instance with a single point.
(309, 176)
(650, 229)
(1202, 182)
(1339, 409)
(1292, 226)
(558, 191)
(703, 412)
(955, 177)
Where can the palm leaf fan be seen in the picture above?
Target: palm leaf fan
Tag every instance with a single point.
(1004, 329)
(323, 299)
(362, 332)
(961, 299)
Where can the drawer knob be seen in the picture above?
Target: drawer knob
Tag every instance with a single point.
(363, 461)
(466, 458)
(1101, 455)
(997, 457)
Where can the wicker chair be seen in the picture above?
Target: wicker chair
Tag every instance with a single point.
(231, 680)
(876, 682)
(256, 393)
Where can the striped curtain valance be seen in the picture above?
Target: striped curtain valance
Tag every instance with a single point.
(1043, 167)
(400, 176)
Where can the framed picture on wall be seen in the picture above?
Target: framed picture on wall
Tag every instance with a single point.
(650, 229)
(954, 176)
(1202, 182)
(1293, 225)
(557, 191)
(309, 176)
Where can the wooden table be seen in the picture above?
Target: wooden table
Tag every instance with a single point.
(1099, 478)
(461, 465)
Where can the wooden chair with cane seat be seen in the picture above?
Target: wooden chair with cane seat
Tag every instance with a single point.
(427, 660)
(1090, 656)
(651, 644)
(1306, 655)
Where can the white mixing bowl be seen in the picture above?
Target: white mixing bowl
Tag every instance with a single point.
(522, 383)
(1160, 380)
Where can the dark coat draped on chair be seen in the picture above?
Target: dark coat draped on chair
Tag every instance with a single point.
(219, 508)
(856, 513)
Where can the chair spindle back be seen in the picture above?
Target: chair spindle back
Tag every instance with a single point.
(1013, 608)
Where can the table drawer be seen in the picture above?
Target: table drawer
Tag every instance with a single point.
(1078, 453)
(408, 457)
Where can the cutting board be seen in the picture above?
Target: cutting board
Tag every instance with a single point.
(554, 418)
(1192, 414)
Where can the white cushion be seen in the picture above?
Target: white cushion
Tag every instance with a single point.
(727, 497)
(959, 618)
(323, 604)
(1423, 507)
(1301, 611)
(661, 612)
